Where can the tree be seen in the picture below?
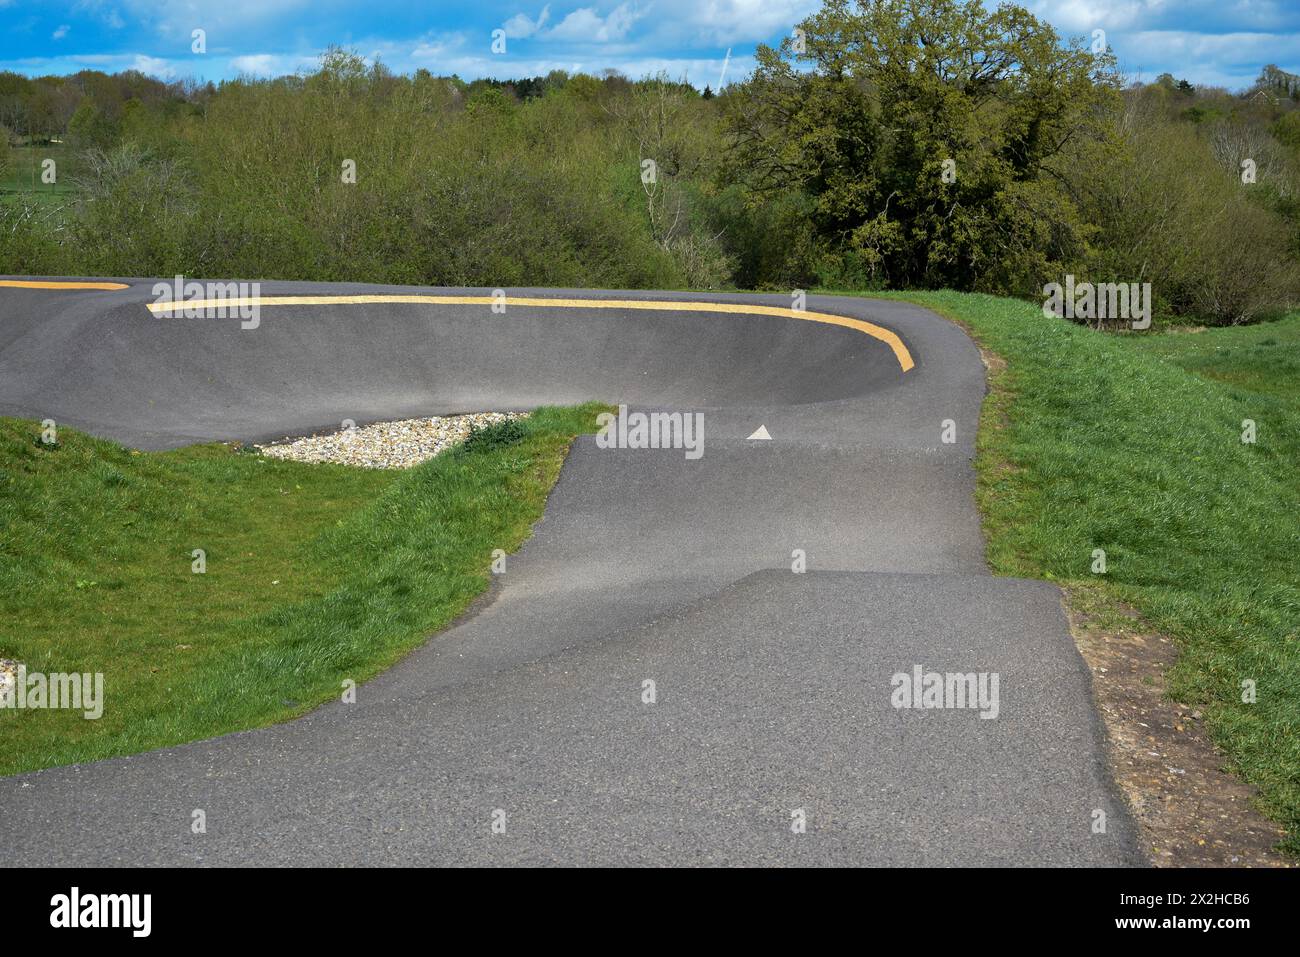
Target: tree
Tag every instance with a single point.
(89, 128)
(6, 154)
(1287, 129)
(927, 134)
(43, 114)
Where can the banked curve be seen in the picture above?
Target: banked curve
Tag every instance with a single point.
(890, 338)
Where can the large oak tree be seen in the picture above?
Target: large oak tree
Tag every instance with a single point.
(927, 135)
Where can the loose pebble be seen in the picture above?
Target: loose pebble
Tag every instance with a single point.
(386, 445)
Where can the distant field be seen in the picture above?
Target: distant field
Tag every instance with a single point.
(24, 176)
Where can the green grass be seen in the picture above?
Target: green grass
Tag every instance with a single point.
(315, 574)
(1133, 444)
(24, 172)
(1262, 359)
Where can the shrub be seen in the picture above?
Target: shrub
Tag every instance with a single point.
(1168, 212)
(495, 436)
(135, 211)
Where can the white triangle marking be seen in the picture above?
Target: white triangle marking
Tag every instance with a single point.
(760, 434)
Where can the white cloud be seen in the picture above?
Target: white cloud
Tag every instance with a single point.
(431, 50)
(519, 27)
(1084, 16)
(585, 25)
(1232, 60)
(259, 64)
(727, 22)
(153, 66)
(60, 33)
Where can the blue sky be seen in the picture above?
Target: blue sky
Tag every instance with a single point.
(1220, 42)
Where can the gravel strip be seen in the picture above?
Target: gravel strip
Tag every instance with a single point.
(386, 445)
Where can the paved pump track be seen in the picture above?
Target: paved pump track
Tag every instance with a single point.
(773, 689)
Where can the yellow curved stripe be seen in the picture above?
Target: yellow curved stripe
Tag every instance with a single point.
(891, 339)
(35, 284)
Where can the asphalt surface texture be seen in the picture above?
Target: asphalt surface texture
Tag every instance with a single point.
(650, 683)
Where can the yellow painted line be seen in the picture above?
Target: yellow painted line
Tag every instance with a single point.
(877, 332)
(33, 284)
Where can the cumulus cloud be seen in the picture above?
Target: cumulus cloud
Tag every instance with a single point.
(519, 27)
(260, 64)
(727, 22)
(1231, 60)
(436, 49)
(60, 33)
(585, 25)
(153, 66)
(1082, 16)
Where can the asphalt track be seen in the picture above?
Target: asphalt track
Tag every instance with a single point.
(773, 689)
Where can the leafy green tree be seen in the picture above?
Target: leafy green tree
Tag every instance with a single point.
(6, 153)
(926, 133)
(42, 119)
(90, 128)
(1287, 129)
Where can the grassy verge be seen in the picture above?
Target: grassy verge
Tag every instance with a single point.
(314, 574)
(1133, 444)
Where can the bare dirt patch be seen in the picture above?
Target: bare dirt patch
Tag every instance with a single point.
(1191, 811)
